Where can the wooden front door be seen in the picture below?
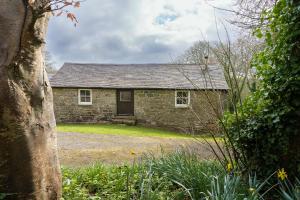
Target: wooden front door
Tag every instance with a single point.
(125, 102)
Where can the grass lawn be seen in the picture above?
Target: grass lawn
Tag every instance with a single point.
(117, 129)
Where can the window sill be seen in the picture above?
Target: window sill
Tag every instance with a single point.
(85, 104)
(182, 106)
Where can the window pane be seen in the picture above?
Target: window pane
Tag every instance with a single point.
(82, 99)
(179, 94)
(82, 93)
(185, 94)
(87, 93)
(184, 101)
(87, 99)
(179, 101)
(125, 96)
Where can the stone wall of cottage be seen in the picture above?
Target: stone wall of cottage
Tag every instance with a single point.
(157, 108)
(66, 106)
(151, 107)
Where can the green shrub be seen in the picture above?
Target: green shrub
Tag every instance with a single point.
(265, 131)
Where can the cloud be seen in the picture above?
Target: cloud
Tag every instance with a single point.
(131, 31)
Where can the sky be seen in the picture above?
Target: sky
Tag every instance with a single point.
(133, 31)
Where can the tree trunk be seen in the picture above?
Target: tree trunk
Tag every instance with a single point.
(29, 167)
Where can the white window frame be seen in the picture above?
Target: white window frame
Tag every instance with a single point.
(182, 105)
(79, 97)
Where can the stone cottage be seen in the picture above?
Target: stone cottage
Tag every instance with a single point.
(186, 97)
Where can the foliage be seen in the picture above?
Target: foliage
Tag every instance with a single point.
(178, 175)
(138, 181)
(228, 192)
(124, 182)
(265, 129)
(184, 169)
(2, 196)
(161, 178)
(233, 188)
(289, 191)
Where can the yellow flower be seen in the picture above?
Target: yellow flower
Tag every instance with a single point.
(281, 174)
(229, 167)
(251, 189)
(132, 152)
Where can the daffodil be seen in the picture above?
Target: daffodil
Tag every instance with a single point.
(229, 167)
(132, 152)
(251, 190)
(281, 174)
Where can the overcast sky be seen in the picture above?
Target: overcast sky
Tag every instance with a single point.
(133, 31)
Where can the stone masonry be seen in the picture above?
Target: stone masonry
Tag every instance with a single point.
(153, 107)
(157, 108)
(66, 106)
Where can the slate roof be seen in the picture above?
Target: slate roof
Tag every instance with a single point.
(143, 76)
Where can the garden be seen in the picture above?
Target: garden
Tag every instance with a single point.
(259, 156)
(254, 155)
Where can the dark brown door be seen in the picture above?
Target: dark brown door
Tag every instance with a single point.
(125, 102)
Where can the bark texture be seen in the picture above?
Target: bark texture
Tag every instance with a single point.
(29, 167)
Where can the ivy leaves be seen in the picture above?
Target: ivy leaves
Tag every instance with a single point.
(269, 123)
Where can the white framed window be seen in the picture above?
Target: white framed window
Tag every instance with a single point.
(182, 98)
(85, 97)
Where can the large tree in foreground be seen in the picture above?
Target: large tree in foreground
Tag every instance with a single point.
(29, 167)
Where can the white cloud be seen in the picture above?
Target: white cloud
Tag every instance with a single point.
(132, 31)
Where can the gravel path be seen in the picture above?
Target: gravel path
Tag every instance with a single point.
(77, 149)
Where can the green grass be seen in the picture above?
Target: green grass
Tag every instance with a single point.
(116, 129)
